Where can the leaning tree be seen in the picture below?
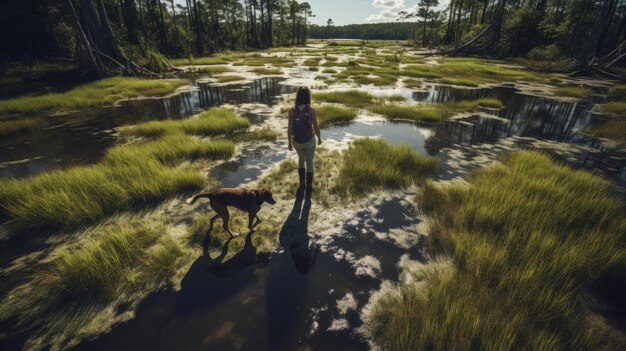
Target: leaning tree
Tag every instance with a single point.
(97, 52)
(486, 40)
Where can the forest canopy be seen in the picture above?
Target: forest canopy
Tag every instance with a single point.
(121, 33)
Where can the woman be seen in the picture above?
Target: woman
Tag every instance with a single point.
(302, 124)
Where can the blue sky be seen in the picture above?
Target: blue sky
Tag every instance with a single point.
(358, 11)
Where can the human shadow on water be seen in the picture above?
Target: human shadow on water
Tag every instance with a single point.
(287, 277)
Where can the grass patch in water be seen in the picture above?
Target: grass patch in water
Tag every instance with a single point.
(617, 108)
(214, 121)
(312, 62)
(427, 113)
(473, 71)
(396, 98)
(213, 69)
(229, 78)
(267, 71)
(102, 92)
(412, 83)
(331, 114)
(20, 125)
(329, 70)
(379, 80)
(620, 88)
(219, 59)
(351, 98)
(529, 241)
(613, 129)
(373, 163)
(460, 81)
(572, 91)
(432, 112)
(129, 176)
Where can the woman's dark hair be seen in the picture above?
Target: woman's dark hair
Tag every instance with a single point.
(303, 96)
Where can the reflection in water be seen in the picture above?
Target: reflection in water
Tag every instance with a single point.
(83, 137)
(264, 91)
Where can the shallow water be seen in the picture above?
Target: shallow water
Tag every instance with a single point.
(295, 298)
(311, 292)
(83, 137)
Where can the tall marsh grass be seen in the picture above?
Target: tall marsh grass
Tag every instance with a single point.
(373, 163)
(530, 240)
(21, 125)
(211, 122)
(351, 98)
(614, 128)
(432, 112)
(98, 267)
(102, 92)
(129, 176)
(331, 114)
(472, 71)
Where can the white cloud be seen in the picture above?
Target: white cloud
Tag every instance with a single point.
(389, 9)
(388, 4)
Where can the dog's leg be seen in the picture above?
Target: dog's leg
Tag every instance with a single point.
(258, 220)
(223, 212)
(211, 222)
(250, 220)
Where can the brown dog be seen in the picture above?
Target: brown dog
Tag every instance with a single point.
(248, 200)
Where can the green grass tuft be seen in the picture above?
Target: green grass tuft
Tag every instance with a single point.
(211, 122)
(213, 69)
(572, 91)
(412, 83)
(99, 267)
(352, 98)
(613, 129)
(617, 108)
(267, 71)
(129, 176)
(102, 92)
(373, 163)
(20, 125)
(229, 78)
(427, 113)
(331, 114)
(529, 241)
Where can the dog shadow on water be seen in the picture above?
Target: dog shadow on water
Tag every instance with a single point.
(210, 280)
(287, 276)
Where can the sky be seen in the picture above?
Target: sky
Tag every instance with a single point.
(345, 12)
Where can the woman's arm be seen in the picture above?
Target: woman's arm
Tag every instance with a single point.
(316, 126)
(290, 129)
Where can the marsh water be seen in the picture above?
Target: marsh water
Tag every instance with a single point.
(309, 294)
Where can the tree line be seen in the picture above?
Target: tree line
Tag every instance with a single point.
(126, 31)
(119, 33)
(368, 31)
(540, 29)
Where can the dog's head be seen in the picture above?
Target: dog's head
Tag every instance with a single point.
(266, 195)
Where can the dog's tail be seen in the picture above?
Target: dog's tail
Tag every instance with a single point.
(193, 199)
